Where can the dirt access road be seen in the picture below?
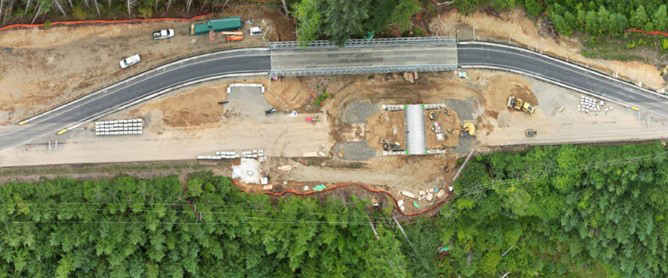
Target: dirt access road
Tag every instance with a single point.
(184, 124)
(41, 69)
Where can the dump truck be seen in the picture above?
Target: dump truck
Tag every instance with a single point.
(231, 23)
(520, 105)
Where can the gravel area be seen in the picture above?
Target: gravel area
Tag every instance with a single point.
(464, 145)
(355, 150)
(504, 118)
(467, 110)
(247, 102)
(359, 111)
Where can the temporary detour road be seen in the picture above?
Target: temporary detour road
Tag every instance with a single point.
(255, 61)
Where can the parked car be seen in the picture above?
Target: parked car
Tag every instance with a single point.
(163, 34)
(129, 61)
(254, 31)
(530, 132)
(270, 111)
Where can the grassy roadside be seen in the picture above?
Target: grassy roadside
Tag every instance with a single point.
(613, 49)
(632, 47)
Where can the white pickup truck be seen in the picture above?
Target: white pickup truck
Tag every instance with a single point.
(163, 34)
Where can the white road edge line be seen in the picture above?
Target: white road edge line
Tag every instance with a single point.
(563, 62)
(156, 94)
(574, 70)
(132, 78)
(557, 83)
(113, 92)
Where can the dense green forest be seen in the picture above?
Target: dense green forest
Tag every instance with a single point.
(32, 11)
(587, 211)
(338, 20)
(574, 211)
(127, 227)
(597, 17)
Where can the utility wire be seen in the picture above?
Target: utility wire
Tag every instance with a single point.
(477, 189)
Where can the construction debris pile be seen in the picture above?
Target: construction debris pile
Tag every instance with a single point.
(590, 104)
(429, 196)
(119, 127)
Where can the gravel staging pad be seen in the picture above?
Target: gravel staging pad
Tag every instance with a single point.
(355, 150)
(467, 110)
(359, 111)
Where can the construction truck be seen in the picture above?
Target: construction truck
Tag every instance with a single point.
(232, 23)
(234, 38)
(520, 105)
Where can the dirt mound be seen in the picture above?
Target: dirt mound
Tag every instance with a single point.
(288, 94)
(196, 108)
(502, 86)
(282, 28)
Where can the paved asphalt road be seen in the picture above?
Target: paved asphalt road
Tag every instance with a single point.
(475, 54)
(175, 74)
(258, 60)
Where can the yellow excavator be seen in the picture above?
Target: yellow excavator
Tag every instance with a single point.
(520, 105)
(467, 128)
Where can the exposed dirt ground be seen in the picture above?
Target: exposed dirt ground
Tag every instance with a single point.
(514, 26)
(288, 95)
(501, 86)
(190, 122)
(449, 124)
(202, 109)
(388, 126)
(394, 174)
(40, 69)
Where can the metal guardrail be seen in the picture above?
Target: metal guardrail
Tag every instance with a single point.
(574, 63)
(366, 43)
(364, 70)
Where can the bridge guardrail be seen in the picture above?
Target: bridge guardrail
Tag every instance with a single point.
(365, 43)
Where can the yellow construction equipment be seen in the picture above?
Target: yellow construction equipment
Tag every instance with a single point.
(520, 105)
(468, 128)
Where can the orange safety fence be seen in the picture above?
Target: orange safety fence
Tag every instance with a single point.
(655, 32)
(331, 187)
(120, 21)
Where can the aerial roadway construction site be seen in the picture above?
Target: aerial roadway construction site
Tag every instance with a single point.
(400, 115)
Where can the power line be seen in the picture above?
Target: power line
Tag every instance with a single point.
(627, 160)
(267, 221)
(479, 188)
